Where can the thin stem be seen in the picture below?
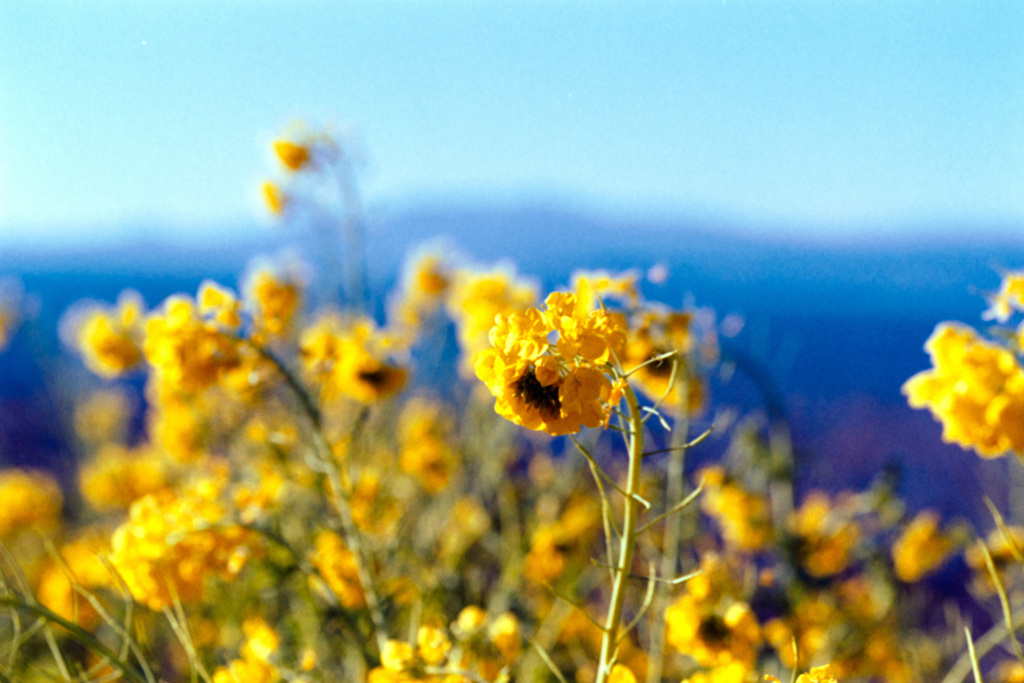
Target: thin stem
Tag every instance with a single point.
(610, 637)
(674, 488)
(339, 496)
(76, 632)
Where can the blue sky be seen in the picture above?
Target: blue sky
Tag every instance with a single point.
(826, 115)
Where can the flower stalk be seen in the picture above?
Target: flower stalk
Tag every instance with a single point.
(610, 637)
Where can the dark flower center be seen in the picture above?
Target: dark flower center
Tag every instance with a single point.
(661, 367)
(378, 379)
(543, 398)
(713, 629)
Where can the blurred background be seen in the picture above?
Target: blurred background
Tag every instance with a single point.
(839, 177)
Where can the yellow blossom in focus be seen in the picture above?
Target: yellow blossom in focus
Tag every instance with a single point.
(32, 501)
(976, 389)
(294, 156)
(337, 565)
(921, 548)
(111, 340)
(560, 388)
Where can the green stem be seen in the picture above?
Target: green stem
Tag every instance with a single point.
(610, 638)
(78, 633)
(339, 496)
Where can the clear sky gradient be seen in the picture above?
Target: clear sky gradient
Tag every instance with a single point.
(824, 114)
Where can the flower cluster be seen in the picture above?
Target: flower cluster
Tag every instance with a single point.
(32, 501)
(711, 622)
(558, 387)
(347, 360)
(111, 340)
(171, 544)
(255, 664)
(976, 389)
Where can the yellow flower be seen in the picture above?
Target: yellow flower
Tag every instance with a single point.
(476, 299)
(423, 441)
(337, 565)
(432, 645)
(397, 656)
(552, 543)
(921, 548)
(82, 564)
(275, 302)
(117, 477)
(504, 633)
(261, 639)
(170, 544)
(273, 197)
(294, 156)
(827, 537)
(1008, 299)
(347, 360)
(594, 287)
(710, 622)
(221, 303)
(713, 634)
(976, 389)
(469, 622)
(658, 342)
(110, 340)
(32, 501)
(186, 351)
(558, 388)
(102, 417)
(620, 674)
(745, 518)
